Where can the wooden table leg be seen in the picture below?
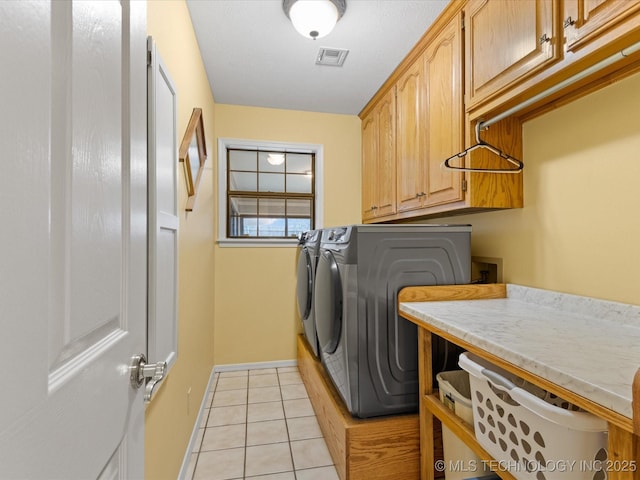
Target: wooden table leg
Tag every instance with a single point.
(426, 418)
(636, 403)
(624, 454)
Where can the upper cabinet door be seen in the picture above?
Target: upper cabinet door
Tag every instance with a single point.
(369, 165)
(507, 42)
(410, 138)
(444, 113)
(585, 20)
(387, 156)
(379, 159)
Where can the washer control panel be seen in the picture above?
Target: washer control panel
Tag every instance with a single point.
(336, 235)
(310, 236)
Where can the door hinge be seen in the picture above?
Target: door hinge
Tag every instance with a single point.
(464, 185)
(462, 23)
(149, 62)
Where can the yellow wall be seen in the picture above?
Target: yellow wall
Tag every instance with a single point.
(579, 231)
(170, 417)
(255, 315)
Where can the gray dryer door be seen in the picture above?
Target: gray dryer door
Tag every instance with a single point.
(328, 302)
(305, 283)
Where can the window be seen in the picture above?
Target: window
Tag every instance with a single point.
(270, 192)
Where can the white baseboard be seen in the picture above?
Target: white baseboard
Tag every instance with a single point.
(182, 475)
(203, 404)
(255, 366)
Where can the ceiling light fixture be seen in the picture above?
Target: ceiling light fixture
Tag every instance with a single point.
(314, 18)
(275, 158)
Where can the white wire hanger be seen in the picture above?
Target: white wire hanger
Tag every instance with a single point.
(517, 164)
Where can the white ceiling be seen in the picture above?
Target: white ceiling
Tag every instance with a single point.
(254, 56)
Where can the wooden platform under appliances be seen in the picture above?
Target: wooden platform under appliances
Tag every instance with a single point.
(362, 449)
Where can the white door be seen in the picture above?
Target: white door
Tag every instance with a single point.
(72, 238)
(162, 142)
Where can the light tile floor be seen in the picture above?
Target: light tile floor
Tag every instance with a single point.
(259, 424)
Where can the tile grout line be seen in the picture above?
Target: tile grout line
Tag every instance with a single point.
(246, 428)
(247, 423)
(286, 426)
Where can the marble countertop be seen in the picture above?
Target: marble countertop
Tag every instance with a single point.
(586, 345)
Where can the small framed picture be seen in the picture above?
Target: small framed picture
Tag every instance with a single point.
(193, 153)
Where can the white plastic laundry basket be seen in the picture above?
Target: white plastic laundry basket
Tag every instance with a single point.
(459, 460)
(531, 433)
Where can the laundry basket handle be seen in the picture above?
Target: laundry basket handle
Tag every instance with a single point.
(537, 405)
(498, 380)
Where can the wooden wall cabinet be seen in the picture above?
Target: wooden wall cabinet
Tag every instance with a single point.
(430, 124)
(379, 160)
(515, 50)
(512, 51)
(429, 127)
(506, 42)
(586, 20)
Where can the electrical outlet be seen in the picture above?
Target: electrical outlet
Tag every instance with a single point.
(486, 270)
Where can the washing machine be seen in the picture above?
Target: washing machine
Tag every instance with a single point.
(308, 247)
(368, 350)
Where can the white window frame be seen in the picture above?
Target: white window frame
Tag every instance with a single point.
(226, 143)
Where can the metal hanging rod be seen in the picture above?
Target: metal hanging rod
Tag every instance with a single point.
(518, 165)
(565, 83)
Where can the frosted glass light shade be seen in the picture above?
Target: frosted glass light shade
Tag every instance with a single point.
(275, 158)
(313, 18)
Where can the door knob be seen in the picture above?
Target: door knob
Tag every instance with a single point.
(153, 373)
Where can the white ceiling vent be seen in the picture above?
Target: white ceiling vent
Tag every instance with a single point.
(331, 56)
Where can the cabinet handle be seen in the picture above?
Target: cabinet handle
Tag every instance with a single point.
(544, 39)
(373, 207)
(568, 22)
